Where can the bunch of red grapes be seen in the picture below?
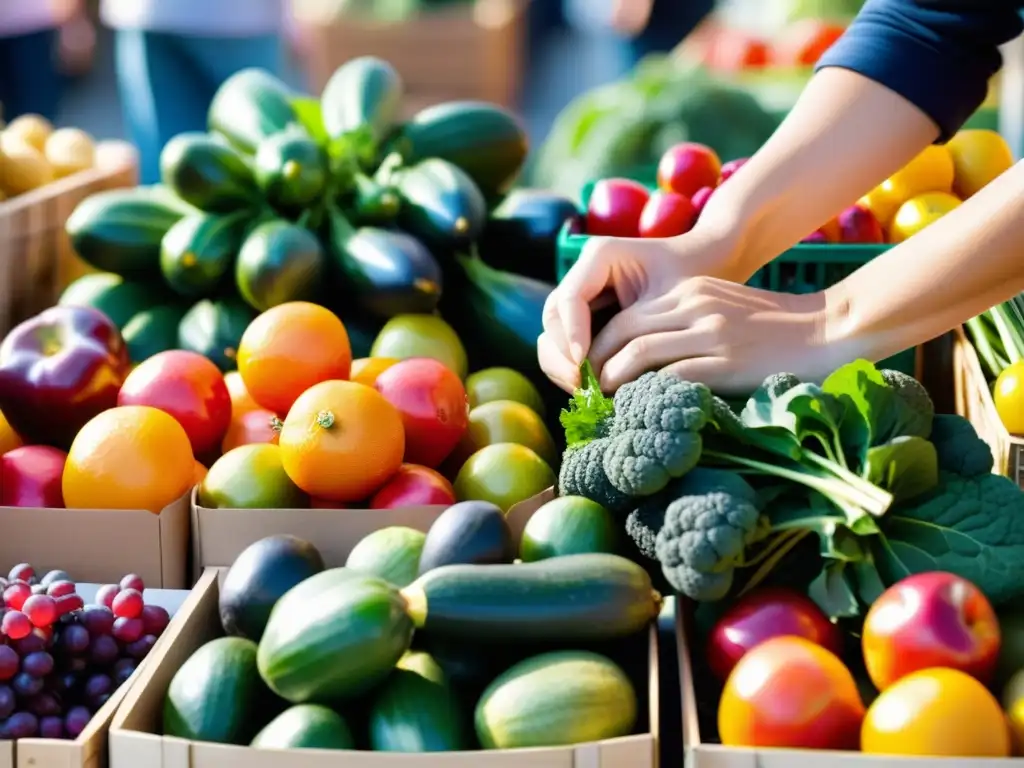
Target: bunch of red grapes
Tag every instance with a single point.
(60, 660)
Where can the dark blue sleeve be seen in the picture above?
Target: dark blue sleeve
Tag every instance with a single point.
(937, 54)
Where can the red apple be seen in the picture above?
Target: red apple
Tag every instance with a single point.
(729, 168)
(31, 476)
(687, 167)
(615, 206)
(859, 225)
(700, 199)
(666, 215)
(762, 615)
(933, 619)
(411, 486)
(827, 233)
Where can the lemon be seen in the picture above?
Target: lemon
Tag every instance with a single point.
(920, 211)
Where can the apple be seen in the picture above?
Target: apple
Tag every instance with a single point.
(666, 215)
(858, 225)
(687, 167)
(413, 485)
(729, 168)
(615, 206)
(828, 232)
(933, 619)
(31, 476)
(762, 615)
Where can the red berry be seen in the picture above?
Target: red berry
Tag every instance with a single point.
(60, 588)
(128, 604)
(133, 581)
(68, 603)
(128, 630)
(23, 572)
(16, 625)
(105, 595)
(16, 594)
(41, 610)
(155, 618)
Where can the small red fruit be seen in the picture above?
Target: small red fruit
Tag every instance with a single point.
(414, 485)
(700, 199)
(667, 215)
(41, 610)
(61, 588)
(859, 225)
(68, 603)
(128, 604)
(615, 206)
(15, 625)
(16, 594)
(127, 630)
(22, 572)
(155, 619)
(133, 581)
(687, 167)
(105, 595)
(31, 476)
(729, 168)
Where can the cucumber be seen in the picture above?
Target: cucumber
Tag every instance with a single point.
(333, 637)
(374, 202)
(198, 252)
(440, 205)
(214, 327)
(361, 104)
(305, 726)
(279, 262)
(152, 331)
(250, 106)
(120, 230)
(568, 525)
(574, 598)
(291, 169)
(556, 699)
(207, 173)
(392, 553)
(111, 294)
(486, 141)
(521, 234)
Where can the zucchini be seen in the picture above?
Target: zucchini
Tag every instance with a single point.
(305, 726)
(279, 262)
(117, 298)
(486, 141)
(198, 252)
(391, 553)
(440, 205)
(360, 105)
(373, 202)
(214, 327)
(120, 230)
(153, 330)
(291, 169)
(521, 234)
(250, 106)
(333, 637)
(207, 173)
(579, 598)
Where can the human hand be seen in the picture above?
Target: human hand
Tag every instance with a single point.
(631, 16)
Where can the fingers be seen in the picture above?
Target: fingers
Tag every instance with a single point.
(556, 366)
(715, 372)
(587, 280)
(654, 351)
(638, 320)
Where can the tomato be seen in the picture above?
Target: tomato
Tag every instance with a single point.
(433, 405)
(790, 692)
(31, 476)
(190, 388)
(732, 52)
(936, 713)
(413, 485)
(615, 206)
(687, 167)
(666, 215)
(251, 427)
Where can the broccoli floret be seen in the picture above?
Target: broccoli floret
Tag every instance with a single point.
(724, 417)
(706, 531)
(582, 474)
(958, 446)
(778, 384)
(916, 418)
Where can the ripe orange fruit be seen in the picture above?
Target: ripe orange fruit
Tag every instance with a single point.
(131, 457)
(918, 212)
(241, 400)
(288, 349)
(365, 370)
(978, 157)
(883, 201)
(341, 441)
(251, 427)
(930, 171)
(199, 473)
(9, 439)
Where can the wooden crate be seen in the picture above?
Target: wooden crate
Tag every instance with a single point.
(464, 51)
(36, 258)
(973, 398)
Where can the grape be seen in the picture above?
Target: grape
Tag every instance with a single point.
(15, 625)
(16, 594)
(103, 650)
(100, 700)
(123, 669)
(68, 603)
(9, 662)
(60, 588)
(98, 619)
(105, 595)
(51, 727)
(155, 619)
(98, 685)
(41, 610)
(30, 643)
(128, 604)
(21, 725)
(75, 639)
(21, 572)
(75, 664)
(76, 720)
(128, 630)
(44, 704)
(38, 664)
(133, 581)
(53, 576)
(66, 682)
(25, 685)
(141, 647)
(7, 702)
(38, 589)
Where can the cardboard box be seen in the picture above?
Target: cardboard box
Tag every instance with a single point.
(100, 545)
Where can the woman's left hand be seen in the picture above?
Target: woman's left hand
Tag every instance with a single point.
(726, 335)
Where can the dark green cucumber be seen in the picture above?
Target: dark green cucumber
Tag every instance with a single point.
(391, 553)
(111, 294)
(153, 330)
(361, 104)
(214, 327)
(440, 204)
(486, 141)
(333, 637)
(374, 203)
(305, 726)
(279, 262)
(250, 106)
(206, 172)
(578, 597)
(521, 234)
(199, 251)
(291, 169)
(120, 230)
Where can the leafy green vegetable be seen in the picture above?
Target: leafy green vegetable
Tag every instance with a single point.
(588, 410)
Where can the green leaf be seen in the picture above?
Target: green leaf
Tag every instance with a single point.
(868, 402)
(869, 583)
(307, 109)
(842, 544)
(833, 593)
(904, 466)
(588, 410)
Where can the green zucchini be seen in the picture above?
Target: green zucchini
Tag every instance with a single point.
(373, 202)
(279, 262)
(391, 553)
(117, 298)
(214, 327)
(575, 598)
(486, 141)
(250, 106)
(291, 169)
(198, 252)
(333, 637)
(152, 331)
(120, 230)
(205, 172)
(556, 699)
(440, 205)
(361, 104)
(305, 726)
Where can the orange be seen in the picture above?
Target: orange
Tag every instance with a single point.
(9, 439)
(341, 441)
(241, 400)
(883, 201)
(978, 157)
(199, 473)
(131, 457)
(251, 427)
(918, 212)
(288, 349)
(365, 370)
(930, 171)
(936, 713)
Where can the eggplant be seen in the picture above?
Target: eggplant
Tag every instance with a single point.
(521, 235)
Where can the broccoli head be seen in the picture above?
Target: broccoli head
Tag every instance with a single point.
(918, 409)
(958, 446)
(582, 474)
(706, 532)
(778, 384)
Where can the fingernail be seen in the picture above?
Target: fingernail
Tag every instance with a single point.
(576, 350)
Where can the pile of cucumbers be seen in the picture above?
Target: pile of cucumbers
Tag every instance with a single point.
(333, 200)
(477, 651)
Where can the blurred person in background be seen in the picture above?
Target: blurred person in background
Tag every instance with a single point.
(657, 26)
(172, 55)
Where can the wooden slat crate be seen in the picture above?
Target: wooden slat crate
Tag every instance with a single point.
(974, 402)
(464, 51)
(36, 258)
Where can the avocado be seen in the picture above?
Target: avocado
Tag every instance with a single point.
(468, 533)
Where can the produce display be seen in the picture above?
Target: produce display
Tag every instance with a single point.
(797, 45)
(33, 154)
(60, 659)
(998, 338)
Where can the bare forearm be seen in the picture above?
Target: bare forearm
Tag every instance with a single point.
(961, 265)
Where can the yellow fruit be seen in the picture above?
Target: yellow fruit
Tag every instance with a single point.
(978, 157)
(930, 171)
(1008, 394)
(69, 150)
(24, 167)
(920, 211)
(34, 130)
(883, 201)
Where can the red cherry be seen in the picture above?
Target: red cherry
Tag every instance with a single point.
(105, 595)
(61, 588)
(16, 594)
(16, 625)
(128, 604)
(41, 610)
(133, 581)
